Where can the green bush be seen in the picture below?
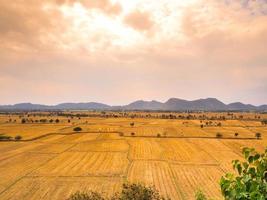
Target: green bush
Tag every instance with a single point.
(77, 129)
(129, 192)
(5, 137)
(250, 183)
(199, 195)
(137, 192)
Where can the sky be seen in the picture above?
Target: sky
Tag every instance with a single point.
(119, 51)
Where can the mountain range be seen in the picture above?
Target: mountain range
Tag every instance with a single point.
(173, 104)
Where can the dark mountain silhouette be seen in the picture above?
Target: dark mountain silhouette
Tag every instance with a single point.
(173, 104)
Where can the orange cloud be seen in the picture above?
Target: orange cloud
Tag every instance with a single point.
(194, 46)
(140, 21)
(104, 5)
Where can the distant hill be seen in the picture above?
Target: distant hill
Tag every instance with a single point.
(173, 104)
(82, 106)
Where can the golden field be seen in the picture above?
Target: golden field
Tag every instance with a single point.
(51, 161)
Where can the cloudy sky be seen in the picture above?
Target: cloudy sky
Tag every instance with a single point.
(118, 51)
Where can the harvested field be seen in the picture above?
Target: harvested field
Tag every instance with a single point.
(190, 178)
(145, 149)
(185, 152)
(19, 166)
(85, 164)
(28, 131)
(157, 173)
(47, 188)
(167, 153)
(102, 146)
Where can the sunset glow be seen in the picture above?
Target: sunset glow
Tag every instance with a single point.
(119, 51)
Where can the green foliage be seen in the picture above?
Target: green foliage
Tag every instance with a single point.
(251, 179)
(199, 195)
(86, 196)
(77, 129)
(138, 192)
(5, 137)
(129, 192)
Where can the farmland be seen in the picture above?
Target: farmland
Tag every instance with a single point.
(178, 155)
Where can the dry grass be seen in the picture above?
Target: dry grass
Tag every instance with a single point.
(191, 178)
(157, 173)
(100, 158)
(85, 164)
(28, 131)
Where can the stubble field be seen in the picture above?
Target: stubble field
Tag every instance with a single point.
(177, 156)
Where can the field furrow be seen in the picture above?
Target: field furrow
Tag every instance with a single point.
(191, 178)
(155, 173)
(85, 164)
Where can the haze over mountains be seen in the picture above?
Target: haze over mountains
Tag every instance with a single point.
(173, 104)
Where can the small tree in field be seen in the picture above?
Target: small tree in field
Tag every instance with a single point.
(199, 195)
(137, 192)
(250, 183)
(18, 137)
(129, 192)
(77, 129)
(258, 135)
(236, 134)
(264, 122)
(218, 135)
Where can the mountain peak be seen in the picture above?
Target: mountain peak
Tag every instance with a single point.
(172, 104)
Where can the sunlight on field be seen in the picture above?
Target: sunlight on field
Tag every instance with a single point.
(177, 156)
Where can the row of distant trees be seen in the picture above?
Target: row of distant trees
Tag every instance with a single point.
(219, 135)
(24, 120)
(147, 114)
